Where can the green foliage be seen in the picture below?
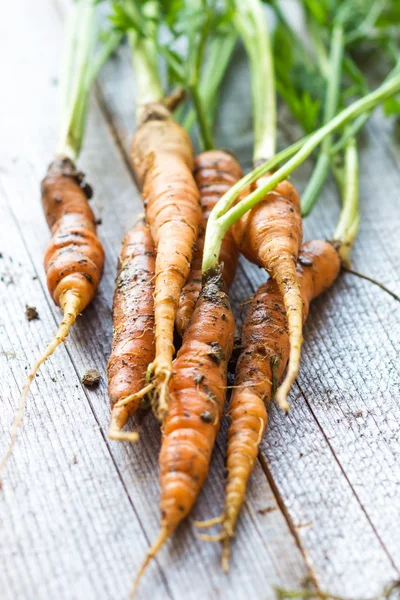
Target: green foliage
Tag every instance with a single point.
(392, 106)
(298, 79)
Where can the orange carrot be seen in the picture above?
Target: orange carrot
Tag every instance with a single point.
(162, 157)
(133, 332)
(195, 410)
(215, 172)
(270, 235)
(265, 354)
(73, 260)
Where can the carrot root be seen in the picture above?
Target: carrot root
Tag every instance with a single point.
(71, 304)
(161, 384)
(164, 534)
(209, 522)
(133, 397)
(119, 417)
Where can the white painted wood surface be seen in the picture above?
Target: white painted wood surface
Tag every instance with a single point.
(78, 511)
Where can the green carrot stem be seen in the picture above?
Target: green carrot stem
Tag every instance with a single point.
(322, 166)
(146, 70)
(204, 123)
(218, 57)
(113, 41)
(349, 220)
(223, 217)
(252, 27)
(81, 34)
(359, 123)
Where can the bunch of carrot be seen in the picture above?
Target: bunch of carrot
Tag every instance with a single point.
(177, 263)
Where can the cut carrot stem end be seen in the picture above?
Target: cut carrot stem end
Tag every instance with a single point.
(71, 303)
(164, 534)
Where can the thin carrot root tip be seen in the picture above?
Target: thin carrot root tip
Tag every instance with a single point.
(284, 389)
(219, 537)
(162, 378)
(209, 522)
(133, 397)
(160, 541)
(72, 307)
(226, 553)
(123, 436)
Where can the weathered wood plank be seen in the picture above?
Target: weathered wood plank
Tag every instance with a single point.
(107, 523)
(349, 539)
(63, 504)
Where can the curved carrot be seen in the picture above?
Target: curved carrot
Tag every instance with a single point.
(73, 260)
(270, 235)
(162, 157)
(215, 172)
(265, 340)
(195, 409)
(133, 331)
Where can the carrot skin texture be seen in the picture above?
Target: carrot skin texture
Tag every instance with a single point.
(198, 390)
(73, 261)
(197, 396)
(133, 345)
(74, 258)
(215, 172)
(162, 157)
(266, 343)
(270, 235)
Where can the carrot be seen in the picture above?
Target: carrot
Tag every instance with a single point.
(195, 409)
(270, 235)
(266, 343)
(73, 260)
(162, 157)
(215, 172)
(133, 331)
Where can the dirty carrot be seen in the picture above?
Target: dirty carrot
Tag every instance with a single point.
(74, 257)
(162, 158)
(270, 235)
(197, 397)
(224, 215)
(266, 344)
(133, 329)
(215, 172)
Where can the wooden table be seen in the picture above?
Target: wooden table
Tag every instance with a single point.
(77, 511)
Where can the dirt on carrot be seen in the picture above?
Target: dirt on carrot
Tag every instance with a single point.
(195, 410)
(265, 354)
(133, 345)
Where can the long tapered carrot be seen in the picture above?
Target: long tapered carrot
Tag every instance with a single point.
(195, 409)
(73, 260)
(215, 172)
(270, 235)
(133, 345)
(162, 156)
(266, 343)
